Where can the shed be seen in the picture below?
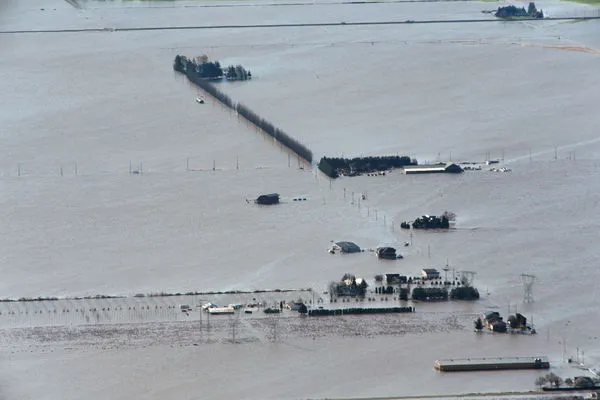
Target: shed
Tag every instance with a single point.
(272, 198)
(346, 247)
(386, 253)
(430, 273)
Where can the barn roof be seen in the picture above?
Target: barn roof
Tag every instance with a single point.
(348, 247)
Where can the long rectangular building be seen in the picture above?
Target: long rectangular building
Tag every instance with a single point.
(491, 364)
(433, 168)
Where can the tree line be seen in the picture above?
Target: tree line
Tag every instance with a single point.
(200, 77)
(333, 167)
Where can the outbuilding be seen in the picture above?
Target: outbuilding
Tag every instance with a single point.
(346, 247)
(430, 273)
(267, 199)
(433, 168)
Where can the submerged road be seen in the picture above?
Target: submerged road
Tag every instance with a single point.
(296, 25)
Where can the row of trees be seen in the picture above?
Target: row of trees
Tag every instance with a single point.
(271, 130)
(582, 382)
(430, 294)
(190, 69)
(333, 167)
(420, 293)
(433, 293)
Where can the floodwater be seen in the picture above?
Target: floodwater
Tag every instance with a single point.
(114, 181)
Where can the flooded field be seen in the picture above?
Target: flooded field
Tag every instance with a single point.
(114, 181)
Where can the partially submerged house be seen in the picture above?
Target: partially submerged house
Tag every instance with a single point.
(345, 247)
(517, 321)
(493, 321)
(430, 273)
(433, 168)
(396, 279)
(267, 199)
(386, 253)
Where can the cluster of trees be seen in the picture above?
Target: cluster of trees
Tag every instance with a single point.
(349, 286)
(464, 293)
(431, 221)
(420, 293)
(512, 12)
(190, 69)
(237, 73)
(212, 70)
(203, 69)
(334, 167)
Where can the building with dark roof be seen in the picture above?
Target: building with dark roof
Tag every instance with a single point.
(346, 247)
(267, 199)
(433, 168)
(430, 273)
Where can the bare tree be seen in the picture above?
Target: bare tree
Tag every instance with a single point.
(554, 379)
(540, 381)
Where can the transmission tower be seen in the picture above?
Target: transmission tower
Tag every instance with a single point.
(527, 281)
(467, 277)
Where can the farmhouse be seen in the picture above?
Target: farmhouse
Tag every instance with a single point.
(493, 321)
(430, 273)
(433, 168)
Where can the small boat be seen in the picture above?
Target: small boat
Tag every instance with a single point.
(200, 100)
